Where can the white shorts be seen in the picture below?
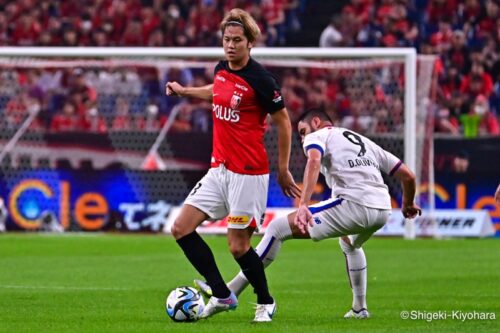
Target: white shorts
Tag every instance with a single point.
(222, 192)
(340, 217)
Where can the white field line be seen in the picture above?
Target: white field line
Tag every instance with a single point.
(65, 288)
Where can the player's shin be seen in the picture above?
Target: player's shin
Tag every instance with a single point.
(252, 267)
(277, 232)
(202, 258)
(356, 270)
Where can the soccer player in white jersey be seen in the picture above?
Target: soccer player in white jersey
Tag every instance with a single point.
(360, 203)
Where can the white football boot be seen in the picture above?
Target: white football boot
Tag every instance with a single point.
(264, 312)
(202, 286)
(216, 305)
(361, 314)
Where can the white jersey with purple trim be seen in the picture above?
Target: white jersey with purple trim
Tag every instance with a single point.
(352, 165)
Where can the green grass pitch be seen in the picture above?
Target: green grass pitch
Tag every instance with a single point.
(118, 283)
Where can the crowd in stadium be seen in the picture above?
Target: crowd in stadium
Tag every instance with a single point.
(465, 35)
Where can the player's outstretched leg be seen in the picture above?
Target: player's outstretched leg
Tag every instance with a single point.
(276, 233)
(204, 287)
(216, 305)
(356, 270)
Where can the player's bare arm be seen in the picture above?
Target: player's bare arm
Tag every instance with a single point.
(285, 179)
(176, 89)
(407, 179)
(497, 195)
(311, 174)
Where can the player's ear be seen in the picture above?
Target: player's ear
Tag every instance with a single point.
(315, 123)
(250, 45)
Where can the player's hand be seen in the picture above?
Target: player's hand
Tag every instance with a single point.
(303, 218)
(411, 211)
(287, 184)
(174, 89)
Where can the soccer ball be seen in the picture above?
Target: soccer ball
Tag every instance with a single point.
(185, 304)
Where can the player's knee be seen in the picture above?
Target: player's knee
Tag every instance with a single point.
(279, 228)
(345, 245)
(272, 227)
(179, 230)
(238, 249)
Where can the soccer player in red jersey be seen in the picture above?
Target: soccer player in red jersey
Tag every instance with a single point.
(242, 95)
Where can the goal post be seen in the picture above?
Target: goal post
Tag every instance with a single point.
(408, 55)
(349, 59)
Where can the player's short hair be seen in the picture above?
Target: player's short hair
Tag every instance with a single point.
(311, 113)
(240, 18)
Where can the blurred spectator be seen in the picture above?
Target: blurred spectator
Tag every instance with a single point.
(156, 38)
(122, 121)
(479, 120)
(275, 19)
(449, 83)
(150, 22)
(16, 109)
(331, 36)
(150, 121)
(26, 30)
(489, 123)
(133, 35)
(458, 55)
(356, 120)
(381, 121)
(477, 82)
(70, 37)
(439, 9)
(471, 11)
(445, 122)
(99, 38)
(183, 120)
(93, 122)
(66, 120)
(487, 23)
(442, 39)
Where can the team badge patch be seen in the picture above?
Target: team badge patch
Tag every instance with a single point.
(235, 101)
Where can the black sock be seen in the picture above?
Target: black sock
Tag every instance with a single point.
(202, 258)
(252, 267)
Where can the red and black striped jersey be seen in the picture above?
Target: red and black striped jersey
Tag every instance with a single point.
(241, 101)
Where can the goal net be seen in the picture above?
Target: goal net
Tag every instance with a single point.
(96, 111)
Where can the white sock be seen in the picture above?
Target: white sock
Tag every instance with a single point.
(356, 268)
(277, 232)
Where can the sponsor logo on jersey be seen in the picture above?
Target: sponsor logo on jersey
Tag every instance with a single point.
(317, 220)
(241, 220)
(240, 86)
(225, 113)
(220, 78)
(277, 97)
(235, 100)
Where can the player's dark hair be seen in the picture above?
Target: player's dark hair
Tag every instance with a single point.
(311, 113)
